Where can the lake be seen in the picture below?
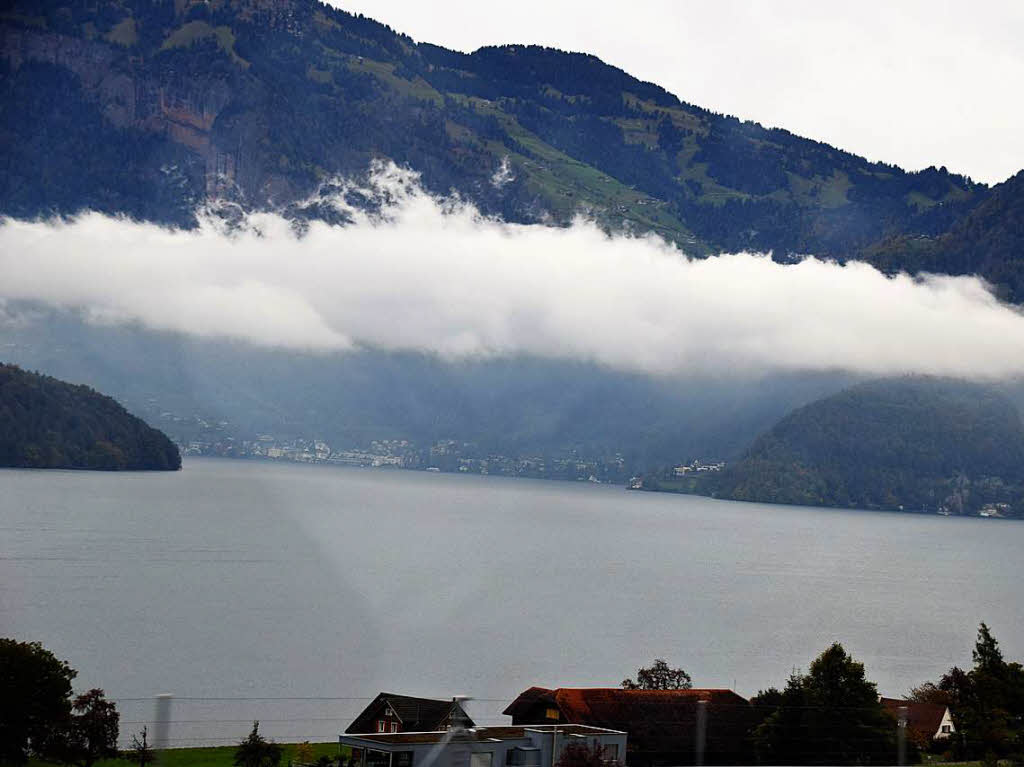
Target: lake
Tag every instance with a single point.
(294, 593)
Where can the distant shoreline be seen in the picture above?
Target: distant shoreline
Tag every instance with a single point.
(608, 485)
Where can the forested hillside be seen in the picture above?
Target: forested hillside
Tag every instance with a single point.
(49, 424)
(989, 240)
(150, 107)
(916, 444)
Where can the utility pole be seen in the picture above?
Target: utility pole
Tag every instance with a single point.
(901, 736)
(162, 721)
(700, 740)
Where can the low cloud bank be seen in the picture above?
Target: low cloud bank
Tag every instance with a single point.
(433, 275)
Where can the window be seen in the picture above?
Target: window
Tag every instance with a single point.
(394, 727)
(945, 728)
(382, 726)
(528, 756)
(611, 752)
(551, 713)
(481, 759)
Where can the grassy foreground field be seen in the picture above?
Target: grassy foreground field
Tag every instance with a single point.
(224, 756)
(209, 756)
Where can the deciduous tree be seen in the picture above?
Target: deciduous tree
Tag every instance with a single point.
(35, 706)
(141, 753)
(929, 692)
(659, 676)
(92, 731)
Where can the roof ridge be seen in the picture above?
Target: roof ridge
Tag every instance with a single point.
(626, 690)
(414, 697)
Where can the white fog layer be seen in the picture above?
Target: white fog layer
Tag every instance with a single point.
(434, 276)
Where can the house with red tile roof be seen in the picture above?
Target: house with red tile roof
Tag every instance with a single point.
(662, 725)
(925, 721)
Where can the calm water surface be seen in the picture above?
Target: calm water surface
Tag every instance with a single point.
(234, 579)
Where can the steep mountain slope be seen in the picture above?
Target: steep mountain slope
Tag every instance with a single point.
(153, 107)
(49, 424)
(150, 107)
(909, 443)
(989, 240)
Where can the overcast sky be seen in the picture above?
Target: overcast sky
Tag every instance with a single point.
(911, 82)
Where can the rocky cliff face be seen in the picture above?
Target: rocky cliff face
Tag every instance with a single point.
(134, 90)
(132, 96)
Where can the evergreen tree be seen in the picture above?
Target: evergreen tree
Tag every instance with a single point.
(987, 702)
(987, 657)
(257, 751)
(830, 715)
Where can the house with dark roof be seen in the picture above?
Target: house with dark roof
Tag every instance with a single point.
(925, 721)
(403, 713)
(537, 746)
(663, 725)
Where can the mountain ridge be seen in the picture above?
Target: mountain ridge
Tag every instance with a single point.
(149, 108)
